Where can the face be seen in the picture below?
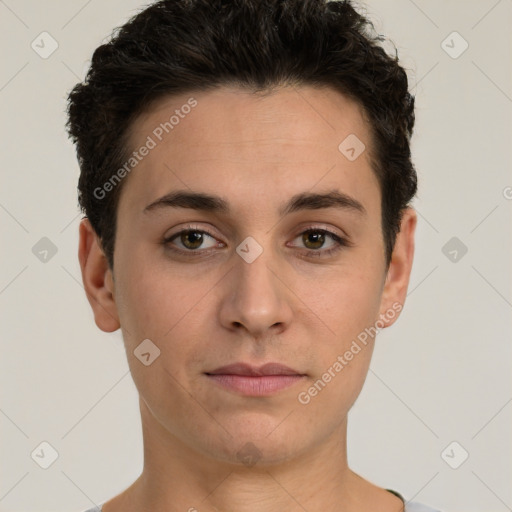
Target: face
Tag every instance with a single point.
(284, 263)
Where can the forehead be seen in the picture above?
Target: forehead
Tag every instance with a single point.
(259, 144)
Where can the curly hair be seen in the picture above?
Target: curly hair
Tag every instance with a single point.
(177, 46)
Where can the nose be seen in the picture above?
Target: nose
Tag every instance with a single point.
(256, 298)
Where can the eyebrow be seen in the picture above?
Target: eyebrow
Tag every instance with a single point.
(298, 202)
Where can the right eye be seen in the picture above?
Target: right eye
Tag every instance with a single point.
(189, 240)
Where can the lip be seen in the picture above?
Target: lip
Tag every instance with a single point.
(250, 380)
(254, 371)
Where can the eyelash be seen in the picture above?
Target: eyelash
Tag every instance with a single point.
(339, 241)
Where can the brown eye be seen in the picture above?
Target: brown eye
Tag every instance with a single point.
(191, 239)
(316, 238)
(321, 243)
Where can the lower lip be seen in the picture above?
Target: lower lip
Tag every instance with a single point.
(256, 385)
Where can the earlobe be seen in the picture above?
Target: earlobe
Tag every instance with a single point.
(97, 278)
(397, 279)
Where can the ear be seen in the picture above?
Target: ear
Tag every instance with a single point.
(399, 271)
(97, 278)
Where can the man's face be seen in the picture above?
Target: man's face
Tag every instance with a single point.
(209, 298)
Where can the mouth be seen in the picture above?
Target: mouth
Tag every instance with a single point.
(255, 381)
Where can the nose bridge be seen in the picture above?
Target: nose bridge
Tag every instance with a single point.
(258, 301)
(254, 274)
(256, 286)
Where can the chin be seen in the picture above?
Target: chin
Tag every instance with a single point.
(257, 442)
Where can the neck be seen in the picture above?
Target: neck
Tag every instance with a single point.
(177, 478)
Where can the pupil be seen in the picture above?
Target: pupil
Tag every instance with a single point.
(192, 238)
(318, 239)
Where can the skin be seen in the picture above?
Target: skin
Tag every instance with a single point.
(285, 306)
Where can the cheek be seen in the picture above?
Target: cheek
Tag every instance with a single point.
(159, 308)
(154, 305)
(349, 308)
(171, 308)
(347, 300)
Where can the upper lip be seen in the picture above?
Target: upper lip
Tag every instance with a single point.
(247, 369)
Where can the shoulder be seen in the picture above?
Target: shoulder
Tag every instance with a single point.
(414, 506)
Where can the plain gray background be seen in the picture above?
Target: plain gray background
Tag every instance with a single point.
(440, 375)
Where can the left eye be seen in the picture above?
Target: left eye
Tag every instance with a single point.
(316, 238)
